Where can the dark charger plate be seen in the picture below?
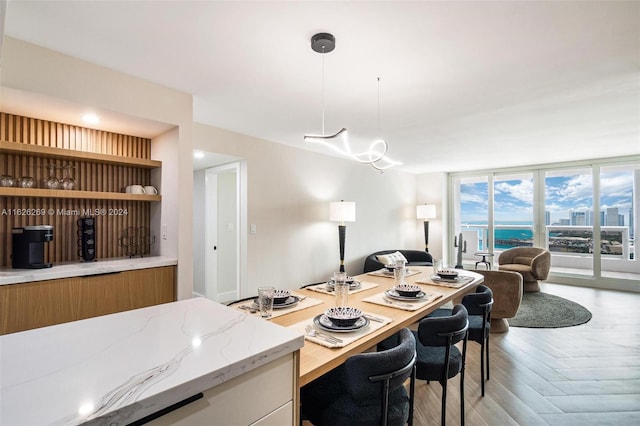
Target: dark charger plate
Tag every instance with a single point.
(325, 323)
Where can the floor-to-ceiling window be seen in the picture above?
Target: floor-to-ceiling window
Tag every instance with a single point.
(569, 219)
(569, 208)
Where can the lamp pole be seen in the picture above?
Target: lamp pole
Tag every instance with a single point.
(341, 211)
(426, 211)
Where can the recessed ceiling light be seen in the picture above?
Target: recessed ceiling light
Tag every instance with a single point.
(90, 118)
(198, 154)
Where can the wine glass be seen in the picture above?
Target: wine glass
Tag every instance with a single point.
(52, 181)
(67, 181)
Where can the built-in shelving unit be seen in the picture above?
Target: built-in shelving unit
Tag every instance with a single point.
(102, 163)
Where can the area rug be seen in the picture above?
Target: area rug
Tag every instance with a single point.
(543, 310)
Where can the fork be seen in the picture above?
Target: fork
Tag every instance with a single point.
(313, 332)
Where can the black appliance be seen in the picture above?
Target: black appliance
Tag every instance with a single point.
(87, 238)
(28, 246)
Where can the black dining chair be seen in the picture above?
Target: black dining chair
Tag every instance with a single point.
(438, 357)
(478, 306)
(367, 390)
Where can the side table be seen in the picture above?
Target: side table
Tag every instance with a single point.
(484, 260)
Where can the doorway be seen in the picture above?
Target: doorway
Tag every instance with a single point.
(219, 233)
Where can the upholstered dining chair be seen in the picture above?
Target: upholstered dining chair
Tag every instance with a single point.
(479, 305)
(368, 389)
(438, 357)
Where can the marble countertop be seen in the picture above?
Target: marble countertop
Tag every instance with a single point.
(118, 368)
(79, 269)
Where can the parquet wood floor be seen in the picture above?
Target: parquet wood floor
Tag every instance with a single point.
(574, 376)
(583, 375)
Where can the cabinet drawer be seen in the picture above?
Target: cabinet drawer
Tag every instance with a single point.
(261, 395)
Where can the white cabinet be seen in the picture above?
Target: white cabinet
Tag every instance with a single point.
(264, 396)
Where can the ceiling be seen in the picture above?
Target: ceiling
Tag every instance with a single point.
(464, 85)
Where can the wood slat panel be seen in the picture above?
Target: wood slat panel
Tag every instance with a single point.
(104, 177)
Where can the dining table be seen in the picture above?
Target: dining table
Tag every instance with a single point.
(386, 315)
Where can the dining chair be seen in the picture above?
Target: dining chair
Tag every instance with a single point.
(368, 389)
(438, 357)
(479, 305)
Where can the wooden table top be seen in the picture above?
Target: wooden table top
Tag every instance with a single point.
(316, 360)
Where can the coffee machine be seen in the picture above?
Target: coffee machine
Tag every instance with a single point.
(28, 246)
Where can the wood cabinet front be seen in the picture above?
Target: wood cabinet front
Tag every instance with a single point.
(43, 303)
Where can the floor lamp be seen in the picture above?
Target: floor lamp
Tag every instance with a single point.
(426, 212)
(342, 211)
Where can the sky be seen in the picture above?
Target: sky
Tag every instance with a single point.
(564, 193)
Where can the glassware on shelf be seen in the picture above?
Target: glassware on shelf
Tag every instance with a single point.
(6, 180)
(67, 181)
(51, 182)
(25, 182)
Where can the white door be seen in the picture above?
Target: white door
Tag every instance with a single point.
(222, 219)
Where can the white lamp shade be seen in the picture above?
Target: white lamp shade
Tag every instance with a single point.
(342, 211)
(426, 211)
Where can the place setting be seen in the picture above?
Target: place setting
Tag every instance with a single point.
(354, 285)
(446, 277)
(408, 297)
(339, 326)
(273, 302)
(389, 271)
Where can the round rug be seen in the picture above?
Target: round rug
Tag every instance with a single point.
(543, 310)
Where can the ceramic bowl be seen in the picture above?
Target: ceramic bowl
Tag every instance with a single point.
(343, 316)
(408, 290)
(280, 296)
(447, 273)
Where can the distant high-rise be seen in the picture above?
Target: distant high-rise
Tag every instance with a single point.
(578, 218)
(631, 222)
(547, 217)
(612, 217)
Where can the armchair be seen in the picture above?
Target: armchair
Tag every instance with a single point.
(533, 263)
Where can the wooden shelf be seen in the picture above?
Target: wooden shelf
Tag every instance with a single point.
(69, 154)
(59, 193)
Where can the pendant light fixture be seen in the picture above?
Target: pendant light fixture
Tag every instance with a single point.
(324, 43)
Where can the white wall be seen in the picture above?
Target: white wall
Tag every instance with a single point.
(289, 191)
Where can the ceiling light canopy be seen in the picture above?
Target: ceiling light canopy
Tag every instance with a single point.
(375, 155)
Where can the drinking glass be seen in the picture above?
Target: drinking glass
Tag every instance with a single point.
(265, 301)
(6, 180)
(438, 265)
(341, 288)
(67, 181)
(52, 181)
(399, 272)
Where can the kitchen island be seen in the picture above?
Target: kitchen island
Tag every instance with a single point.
(117, 369)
